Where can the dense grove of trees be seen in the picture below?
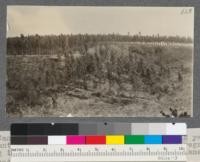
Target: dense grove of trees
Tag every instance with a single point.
(51, 44)
(105, 67)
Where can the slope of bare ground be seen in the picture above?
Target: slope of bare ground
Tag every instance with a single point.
(169, 84)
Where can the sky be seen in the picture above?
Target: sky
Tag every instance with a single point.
(47, 20)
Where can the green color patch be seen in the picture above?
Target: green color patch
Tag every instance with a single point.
(134, 139)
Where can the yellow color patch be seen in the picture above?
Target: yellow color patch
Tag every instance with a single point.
(113, 140)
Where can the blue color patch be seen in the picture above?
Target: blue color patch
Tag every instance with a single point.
(153, 139)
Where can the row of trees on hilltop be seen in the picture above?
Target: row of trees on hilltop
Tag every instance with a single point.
(52, 44)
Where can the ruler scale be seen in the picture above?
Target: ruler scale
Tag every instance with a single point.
(98, 153)
(68, 142)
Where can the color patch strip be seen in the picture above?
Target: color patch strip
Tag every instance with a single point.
(78, 140)
(139, 128)
(63, 129)
(99, 139)
(57, 140)
(176, 129)
(153, 139)
(157, 129)
(172, 139)
(44, 129)
(134, 139)
(95, 140)
(18, 140)
(114, 140)
(37, 140)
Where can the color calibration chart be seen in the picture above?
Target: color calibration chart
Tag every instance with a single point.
(58, 142)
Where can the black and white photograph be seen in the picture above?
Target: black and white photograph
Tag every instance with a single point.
(99, 61)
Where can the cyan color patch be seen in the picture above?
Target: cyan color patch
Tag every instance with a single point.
(153, 139)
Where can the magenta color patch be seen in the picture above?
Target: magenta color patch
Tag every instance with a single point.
(75, 140)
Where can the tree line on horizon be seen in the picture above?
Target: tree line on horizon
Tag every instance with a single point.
(56, 44)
